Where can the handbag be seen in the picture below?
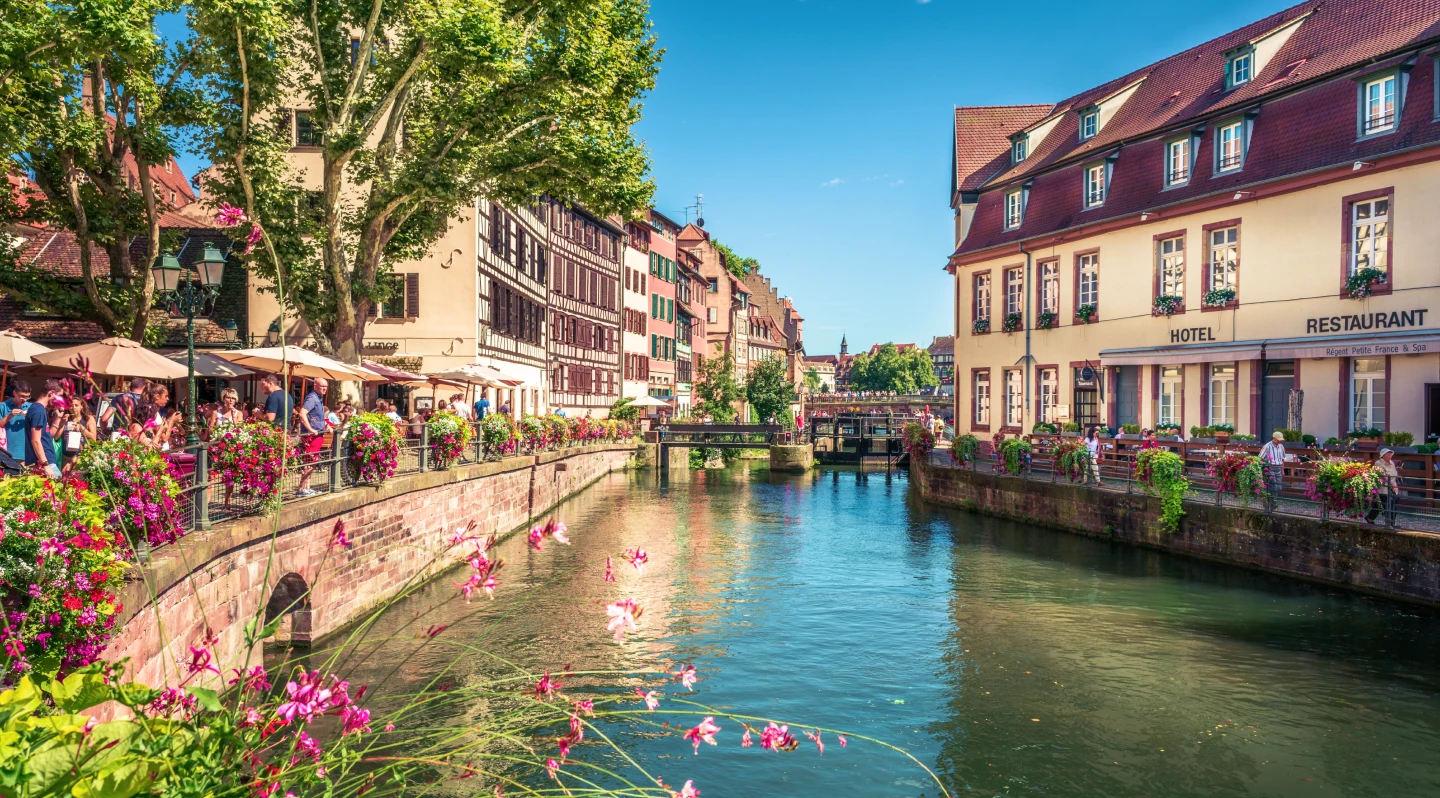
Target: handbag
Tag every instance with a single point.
(73, 441)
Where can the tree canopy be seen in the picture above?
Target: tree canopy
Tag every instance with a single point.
(768, 392)
(737, 265)
(716, 389)
(418, 108)
(890, 369)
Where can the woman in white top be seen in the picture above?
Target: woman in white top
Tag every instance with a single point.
(1092, 450)
(228, 411)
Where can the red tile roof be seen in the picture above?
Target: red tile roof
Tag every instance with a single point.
(982, 139)
(1305, 123)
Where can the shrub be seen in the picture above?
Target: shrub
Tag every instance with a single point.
(62, 569)
(1015, 455)
(1427, 448)
(1239, 474)
(1225, 428)
(1202, 432)
(1045, 428)
(137, 485)
(557, 430)
(1162, 473)
(1291, 435)
(249, 460)
(448, 434)
(1242, 438)
(1130, 429)
(1343, 486)
(1365, 432)
(1307, 439)
(963, 449)
(1166, 427)
(1398, 438)
(1072, 426)
(499, 433)
(623, 410)
(374, 447)
(918, 440)
(1072, 459)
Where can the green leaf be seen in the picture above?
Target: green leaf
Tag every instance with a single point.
(265, 633)
(208, 698)
(80, 690)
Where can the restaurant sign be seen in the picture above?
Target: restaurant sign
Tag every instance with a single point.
(1397, 320)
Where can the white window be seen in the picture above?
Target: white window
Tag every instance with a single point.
(1370, 234)
(1231, 152)
(1018, 150)
(1049, 393)
(1379, 113)
(1014, 291)
(712, 315)
(1094, 185)
(1177, 162)
(1222, 394)
(1014, 398)
(982, 398)
(1224, 258)
(1089, 124)
(1014, 210)
(1240, 67)
(982, 297)
(1171, 380)
(1089, 267)
(1050, 287)
(1367, 405)
(1172, 267)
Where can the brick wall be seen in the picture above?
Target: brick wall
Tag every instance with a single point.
(1395, 563)
(218, 578)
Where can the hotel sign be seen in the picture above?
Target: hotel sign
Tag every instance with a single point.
(1397, 320)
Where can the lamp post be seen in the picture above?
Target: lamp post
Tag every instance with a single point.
(190, 295)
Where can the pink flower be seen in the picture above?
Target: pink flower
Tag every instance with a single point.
(587, 707)
(551, 767)
(354, 720)
(745, 738)
(200, 661)
(229, 215)
(389, 727)
(637, 557)
(337, 537)
(777, 738)
(609, 571)
(688, 791)
(536, 538)
(546, 687)
(704, 732)
(622, 614)
(818, 742)
(558, 531)
(564, 746)
(686, 676)
(652, 702)
(253, 238)
(842, 740)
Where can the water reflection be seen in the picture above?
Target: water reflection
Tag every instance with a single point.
(1014, 660)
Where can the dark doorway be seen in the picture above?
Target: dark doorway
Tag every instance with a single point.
(1275, 402)
(1086, 411)
(1432, 411)
(1127, 395)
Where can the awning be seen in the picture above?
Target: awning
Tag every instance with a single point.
(392, 374)
(207, 365)
(1389, 342)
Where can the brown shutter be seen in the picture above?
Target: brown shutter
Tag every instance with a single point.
(412, 295)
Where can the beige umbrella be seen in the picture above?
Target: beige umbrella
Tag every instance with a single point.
(16, 348)
(208, 365)
(296, 362)
(115, 357)
(471, 375)
(648, 401)
(496, 373)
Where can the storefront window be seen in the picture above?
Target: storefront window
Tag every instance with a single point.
(982, 398)
(1049, 393)
(1171, 379)
(1367, 404)
(1222, 394)
(1014, 398)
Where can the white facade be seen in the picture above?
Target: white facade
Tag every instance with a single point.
(634, 347)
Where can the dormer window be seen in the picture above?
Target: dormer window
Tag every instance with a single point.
(1239, 70)
(1382, 100)
(1177, 162)
(1230, 146)
(1089, 123)
(1095, 184)
(1018, 149)
(1014, 209)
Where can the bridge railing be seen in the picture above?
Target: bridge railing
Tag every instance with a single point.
(730, 435)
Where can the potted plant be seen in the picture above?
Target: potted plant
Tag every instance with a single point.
(1166, 428)
(1044, 428)
(1362, 283)
(1070, 428)
(1365, 434)
(1218, 297)
(1129, 429)
(1085, 313)
(1168, 305)
(1222, 432)
(1046, 320)
(1202, 434)
(1012, 322)
(980, 326)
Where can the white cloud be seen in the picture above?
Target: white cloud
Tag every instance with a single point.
(897, 183)
(834, 181)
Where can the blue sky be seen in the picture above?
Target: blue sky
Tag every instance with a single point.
(818, 131)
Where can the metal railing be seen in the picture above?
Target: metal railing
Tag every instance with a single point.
(1414, 505)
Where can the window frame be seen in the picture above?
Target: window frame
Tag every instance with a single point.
(1248, 55)
(1014, 289)
(1205, 283)
(1347, 233)
(1091, 114)
(1240, 124)
(1041, 284)
(1169, 178)
(1019, 148)
(1017, 218)
(975, 305)
(976, 374)
(1085, 193)
(1014, 403)
(1383, 379)
(1232, 408)
(1401, 76)
(1158, 289)
(1171, 386)
(1076, 303)
(1044, 411)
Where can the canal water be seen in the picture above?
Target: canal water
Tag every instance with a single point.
(1009, 659)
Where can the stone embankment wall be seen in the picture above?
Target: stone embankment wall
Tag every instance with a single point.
(216, 580)
(1398, 563)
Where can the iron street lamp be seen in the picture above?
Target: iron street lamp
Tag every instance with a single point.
(180, 285)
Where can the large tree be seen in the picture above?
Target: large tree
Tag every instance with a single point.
(736, 264)
(90, 99)
(419, 107)
(768, 392)
(890, 369)
(716, 390)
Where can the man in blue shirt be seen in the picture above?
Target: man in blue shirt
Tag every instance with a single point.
(12, 415)
(278, 404)
(37, 426)
(481, 408)
(312, 433)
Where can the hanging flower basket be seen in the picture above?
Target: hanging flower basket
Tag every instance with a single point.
(1086, 313)
(1046, 320)
(1012, 322)
(374, 447)
(981, 326)
(449, 434)
(1168, 305)
(1362, 283)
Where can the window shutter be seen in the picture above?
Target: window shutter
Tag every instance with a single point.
(412, 295)
(373, 311)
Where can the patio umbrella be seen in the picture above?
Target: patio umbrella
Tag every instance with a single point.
(16, 349)
(496, 373)
(115, 357)
(648, 401)
(296, 362)
(208, 365)
(398, 376)
(470, 375)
